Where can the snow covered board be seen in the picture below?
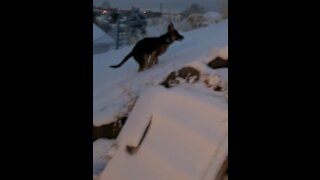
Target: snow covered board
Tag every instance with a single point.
(187, 139)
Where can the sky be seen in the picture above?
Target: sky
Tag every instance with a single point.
(167, 5)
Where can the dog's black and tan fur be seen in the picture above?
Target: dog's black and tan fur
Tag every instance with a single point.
(147, 50)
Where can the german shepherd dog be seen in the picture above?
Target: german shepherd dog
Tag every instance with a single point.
(147, 50)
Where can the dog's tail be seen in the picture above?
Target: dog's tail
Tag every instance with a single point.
(123, 61)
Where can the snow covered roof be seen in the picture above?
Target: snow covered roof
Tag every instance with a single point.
(97, 32)
(187, 138)
(99, 36)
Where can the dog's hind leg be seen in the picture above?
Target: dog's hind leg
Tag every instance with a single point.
(147, 61)
(139, 60)
(142, 60)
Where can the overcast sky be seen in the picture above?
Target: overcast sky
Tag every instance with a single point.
(167, 5)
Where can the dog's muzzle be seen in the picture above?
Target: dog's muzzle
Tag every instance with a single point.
(180, 38)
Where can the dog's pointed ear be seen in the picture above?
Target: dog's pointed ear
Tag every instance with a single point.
(170, 27)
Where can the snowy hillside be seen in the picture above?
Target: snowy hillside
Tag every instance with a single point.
(112, 88)
(115, 91)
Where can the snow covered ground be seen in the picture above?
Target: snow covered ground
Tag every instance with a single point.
(116, 90)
